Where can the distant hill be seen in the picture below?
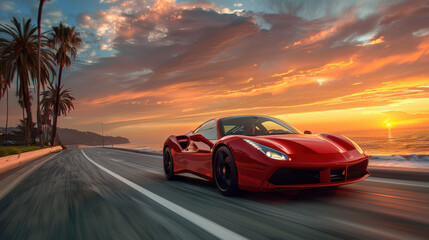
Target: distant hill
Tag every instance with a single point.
(71, 136)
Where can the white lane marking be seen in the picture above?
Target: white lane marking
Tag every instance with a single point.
(207, 225)
(398, 182)
(145, 154)
(4, 191)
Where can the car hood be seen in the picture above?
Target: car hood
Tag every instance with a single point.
(307, 143)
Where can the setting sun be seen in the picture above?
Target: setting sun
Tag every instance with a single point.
(388, 124)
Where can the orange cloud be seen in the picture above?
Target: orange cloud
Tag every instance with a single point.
(374, 41)
(395, 59)
(203, 63)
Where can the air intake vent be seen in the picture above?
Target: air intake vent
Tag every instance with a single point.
(357, 170)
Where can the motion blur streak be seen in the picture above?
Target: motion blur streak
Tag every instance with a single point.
(209, 226)
(389, 196)
(6, 189)
(68, 197)
(406, 183)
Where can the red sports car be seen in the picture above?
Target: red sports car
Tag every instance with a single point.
(261, 153)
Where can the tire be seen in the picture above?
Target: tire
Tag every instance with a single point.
(225, 172)
(168, 164)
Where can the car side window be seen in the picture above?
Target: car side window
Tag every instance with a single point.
(208, 130)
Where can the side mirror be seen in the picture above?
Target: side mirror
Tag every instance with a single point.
(307, 132)
(201, 138)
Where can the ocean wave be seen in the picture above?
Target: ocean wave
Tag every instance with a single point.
(412, 160)
(412, 157)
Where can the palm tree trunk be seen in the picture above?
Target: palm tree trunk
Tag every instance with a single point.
(57, 102)
(42, 136)
(29, 121)
(7, 114)
(23, 120)
(39, 123)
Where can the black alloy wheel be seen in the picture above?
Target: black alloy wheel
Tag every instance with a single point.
(168, 164)
(225, 172)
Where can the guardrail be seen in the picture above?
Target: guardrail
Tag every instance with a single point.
(12, 161)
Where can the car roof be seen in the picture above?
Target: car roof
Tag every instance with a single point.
(238, 116)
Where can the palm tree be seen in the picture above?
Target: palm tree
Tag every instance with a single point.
(64, 40)
(65, 100)
(21, 104)
(4, 87)
(6, 78)
(49, 100)
(22, 126)
(46, 120)
(39, 81)
(7, 114)
(19, 54)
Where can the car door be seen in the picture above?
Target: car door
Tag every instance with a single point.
(198, 153)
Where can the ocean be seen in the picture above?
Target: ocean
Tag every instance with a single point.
(394, 147)
(386, 147)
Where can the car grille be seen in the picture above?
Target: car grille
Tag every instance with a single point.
(293, 176)
(290, 176)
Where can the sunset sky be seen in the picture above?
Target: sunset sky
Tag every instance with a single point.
(148, 69)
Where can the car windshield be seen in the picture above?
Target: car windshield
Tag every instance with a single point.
(254, 126)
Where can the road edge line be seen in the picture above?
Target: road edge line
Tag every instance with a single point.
(205, 224)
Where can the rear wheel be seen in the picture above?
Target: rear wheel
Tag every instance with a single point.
(168, 164)
(225, 172)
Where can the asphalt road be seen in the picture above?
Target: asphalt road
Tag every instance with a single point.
(124, 195)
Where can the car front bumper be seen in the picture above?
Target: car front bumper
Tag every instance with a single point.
(286, 175)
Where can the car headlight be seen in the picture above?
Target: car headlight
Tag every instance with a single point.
(360, 150)
(269, 152)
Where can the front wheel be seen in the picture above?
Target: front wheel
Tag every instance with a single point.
(225, 172)
(168, 164)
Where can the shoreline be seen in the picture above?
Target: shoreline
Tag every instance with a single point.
(391, 168)
(409, 174)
